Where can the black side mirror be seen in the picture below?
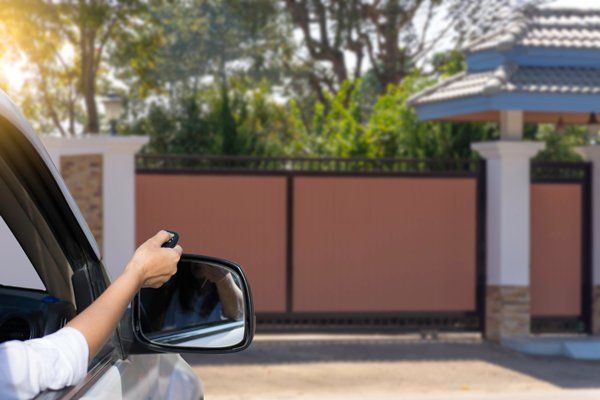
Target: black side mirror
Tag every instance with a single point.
(206, 307)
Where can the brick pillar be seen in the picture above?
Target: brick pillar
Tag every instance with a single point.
(83, 176)
(507, 254)
(99, 172)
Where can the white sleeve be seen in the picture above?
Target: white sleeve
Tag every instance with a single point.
(52, 362)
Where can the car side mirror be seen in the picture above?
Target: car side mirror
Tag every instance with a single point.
(205, 307)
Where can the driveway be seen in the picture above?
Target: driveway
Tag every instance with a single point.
(457, 366)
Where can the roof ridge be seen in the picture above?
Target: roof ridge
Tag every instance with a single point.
(501, 76)
(545, 10)
(565, 26)
(570, 67)
(538, 24)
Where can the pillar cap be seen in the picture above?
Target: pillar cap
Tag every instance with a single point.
(589, 153)
(507, 149)
(94, 144)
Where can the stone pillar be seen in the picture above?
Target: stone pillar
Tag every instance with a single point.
(592, 154)
(99, 171)
(508, 248)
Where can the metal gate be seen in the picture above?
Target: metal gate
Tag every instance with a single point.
(561, 272)
(333, 243)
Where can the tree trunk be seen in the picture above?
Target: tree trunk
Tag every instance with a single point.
(71, 110)
(391, 56)
(92, 124)
(88, 80)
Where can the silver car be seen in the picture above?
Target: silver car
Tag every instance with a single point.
(140, 361)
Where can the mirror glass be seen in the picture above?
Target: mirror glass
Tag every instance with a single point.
(201, 306)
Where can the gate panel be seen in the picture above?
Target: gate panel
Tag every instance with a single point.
(385, 244)
(556, 256)
(242, 218)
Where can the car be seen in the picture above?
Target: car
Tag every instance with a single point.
(48, 237)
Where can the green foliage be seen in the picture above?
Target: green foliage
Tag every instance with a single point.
(335, 127)
(339, 127)
(449, 63)
(559, 146)
(232, 121)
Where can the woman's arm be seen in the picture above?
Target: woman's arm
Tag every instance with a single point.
(60, 359)
(151, 266)
(232, 301)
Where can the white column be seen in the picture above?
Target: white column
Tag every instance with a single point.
(119, 202)
(511, 124)
(118, 189)
(592, 154)
(508, 249)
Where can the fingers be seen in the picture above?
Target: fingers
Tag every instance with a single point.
(157, 264)
(160, 238)
(178, 249)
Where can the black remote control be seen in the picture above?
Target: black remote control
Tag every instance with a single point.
(173, 241)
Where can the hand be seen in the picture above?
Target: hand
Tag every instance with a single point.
(152, 264)
(214, 274)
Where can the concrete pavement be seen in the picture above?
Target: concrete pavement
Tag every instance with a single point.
(391, 367)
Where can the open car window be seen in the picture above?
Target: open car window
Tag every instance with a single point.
(31, 234)
(16, 269)
(29, 227)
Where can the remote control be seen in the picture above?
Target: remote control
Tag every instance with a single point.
(173, 241)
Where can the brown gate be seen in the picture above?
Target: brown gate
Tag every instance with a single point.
(331, 241)
(560, 247)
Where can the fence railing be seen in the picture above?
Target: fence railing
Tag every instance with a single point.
(559, 170)
(191, 163)
(188, 163)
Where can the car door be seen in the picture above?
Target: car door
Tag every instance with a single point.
(49, 241)
(52, 270)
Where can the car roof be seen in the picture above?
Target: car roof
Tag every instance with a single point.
(12, 113)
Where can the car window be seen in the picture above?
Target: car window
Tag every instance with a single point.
(15, 267)
(34, 207)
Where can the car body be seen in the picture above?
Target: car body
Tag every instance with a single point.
(50, 230)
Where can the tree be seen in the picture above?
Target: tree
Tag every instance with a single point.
(47, 31)
(206, 41)
(559, 145)
(244, 120)
(344, 39)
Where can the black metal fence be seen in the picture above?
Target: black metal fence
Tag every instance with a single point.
(196, 163)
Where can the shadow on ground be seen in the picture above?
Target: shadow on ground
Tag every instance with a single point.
(561, 372)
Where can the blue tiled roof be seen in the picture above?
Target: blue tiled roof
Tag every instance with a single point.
(545, 27)
(511, 78)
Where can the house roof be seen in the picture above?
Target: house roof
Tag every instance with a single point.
(544, 27)
(512, 78)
